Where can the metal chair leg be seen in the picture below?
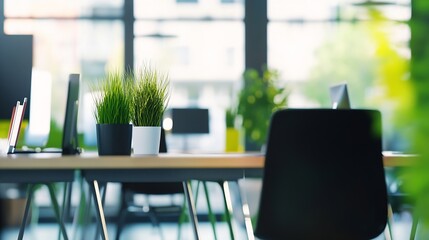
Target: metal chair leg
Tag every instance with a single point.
(246, 214)
(191, 207)
(212, 217)
(65, 207)
(388, 235)
(414, 226)
(80, 213)
(100, 212)
(228, 206)
(122, 215)
(56, 208)
(103, 188)
(87, 211)
(182, 218)
(30, 191)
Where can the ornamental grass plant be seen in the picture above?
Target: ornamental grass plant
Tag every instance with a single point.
(113, 105)
(150, 97)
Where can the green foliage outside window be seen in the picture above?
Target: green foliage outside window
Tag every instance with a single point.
(418, 175)
(364, 56)
(345, 57)
(259, 98)
(230, 117)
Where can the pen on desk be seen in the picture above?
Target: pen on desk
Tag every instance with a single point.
(11, 122)
(15, 124)
(24, 105)
(12, 128)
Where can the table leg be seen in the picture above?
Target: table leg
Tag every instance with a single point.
(30, 192)
(246, 214)
(103, 188)
(100, 213)
(79, 216)
(67, 200)
(247, 218)
(65, 205)
(56, 208)
(212, 217)
(86, 209)
(191, 207)
(228, 206)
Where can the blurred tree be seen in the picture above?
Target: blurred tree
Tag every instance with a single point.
(364, 56)
(346, 57)
(260, 97)
(418, 182)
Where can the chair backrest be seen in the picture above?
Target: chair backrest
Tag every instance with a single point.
(162, 142)
(323, 176)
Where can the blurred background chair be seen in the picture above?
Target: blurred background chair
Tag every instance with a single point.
(186, 122)
(189, 122)
(324, 176)
(129, 190)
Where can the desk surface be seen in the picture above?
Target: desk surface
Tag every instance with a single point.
(43, 167)
(93, 161)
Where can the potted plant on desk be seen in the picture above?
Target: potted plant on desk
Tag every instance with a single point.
(112, 114)
(149, 101)
(233, 141)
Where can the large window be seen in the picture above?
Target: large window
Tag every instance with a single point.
(318, 44)
(83, 37)
(201, 45)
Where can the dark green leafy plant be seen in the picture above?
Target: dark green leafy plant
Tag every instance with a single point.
(113, 106)
(258, 100)
(150, 97)
(417, 177)
(230, 116)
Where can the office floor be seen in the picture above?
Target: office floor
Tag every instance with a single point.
(167, 231)
(401, 230)
(138, 231)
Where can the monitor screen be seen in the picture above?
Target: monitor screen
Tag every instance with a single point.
(190, 120)
(70, 141)
(16, 63)
(340, 97)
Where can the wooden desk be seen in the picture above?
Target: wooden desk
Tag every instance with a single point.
(164, 167)
(88, 161)
(394, 159)
(93, 161)
(13, 170)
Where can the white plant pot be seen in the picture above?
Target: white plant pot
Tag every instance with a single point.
(146, 140)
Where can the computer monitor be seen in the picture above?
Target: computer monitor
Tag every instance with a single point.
(190, 120)
(340, 96)
(70, 139)
(16, 63)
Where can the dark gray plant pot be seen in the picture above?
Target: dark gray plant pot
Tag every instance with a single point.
(114, 139)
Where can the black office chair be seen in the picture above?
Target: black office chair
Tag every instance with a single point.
(323, 176)
(153, 212)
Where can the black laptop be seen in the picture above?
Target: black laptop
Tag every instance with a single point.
(69, 140)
